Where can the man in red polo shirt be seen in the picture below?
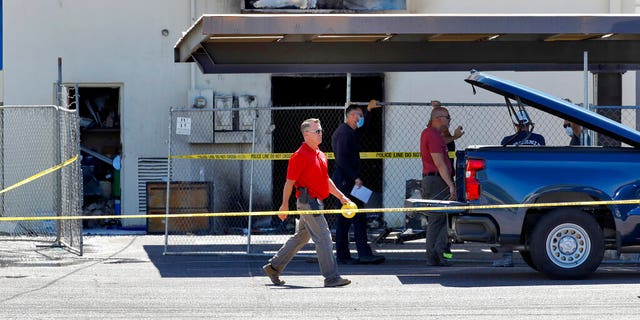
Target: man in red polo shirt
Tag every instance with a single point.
(308, 173)
(436, 182)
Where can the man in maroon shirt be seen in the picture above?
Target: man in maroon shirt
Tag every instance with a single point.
(308, 173)
(436, 182)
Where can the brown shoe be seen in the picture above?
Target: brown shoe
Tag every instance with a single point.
(336, 282)
(273, 274)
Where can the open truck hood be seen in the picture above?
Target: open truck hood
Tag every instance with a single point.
(555, 106)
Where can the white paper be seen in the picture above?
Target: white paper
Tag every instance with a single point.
(362, 193)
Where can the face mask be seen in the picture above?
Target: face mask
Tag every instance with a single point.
(569, 131)
(360, 122)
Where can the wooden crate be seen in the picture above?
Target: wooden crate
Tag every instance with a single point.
(185, 197)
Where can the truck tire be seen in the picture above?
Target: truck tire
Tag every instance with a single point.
(526, 257)
(567, 243)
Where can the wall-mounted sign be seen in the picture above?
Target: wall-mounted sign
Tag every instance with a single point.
(183, 126)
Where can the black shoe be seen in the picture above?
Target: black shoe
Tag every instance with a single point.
(441, 263)
(372, 259)
(348, 261)
(445, 263)
(437, 261)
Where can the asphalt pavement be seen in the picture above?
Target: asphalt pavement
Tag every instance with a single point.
(128, 277)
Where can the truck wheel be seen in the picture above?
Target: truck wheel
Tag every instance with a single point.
(567, 243)
(526, 257)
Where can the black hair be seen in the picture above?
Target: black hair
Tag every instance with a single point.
(352, 107)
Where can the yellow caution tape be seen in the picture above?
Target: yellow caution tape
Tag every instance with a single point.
(40, 174)
(237, 156)
(389, 155)
(286, 156)
(329, 211)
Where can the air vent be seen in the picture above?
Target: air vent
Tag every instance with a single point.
(149, 170)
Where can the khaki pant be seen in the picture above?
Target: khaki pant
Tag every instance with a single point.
(314, 227)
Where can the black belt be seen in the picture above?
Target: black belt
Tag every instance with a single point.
(304, 196)
(431, 174)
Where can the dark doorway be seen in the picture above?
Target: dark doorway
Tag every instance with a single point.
(325, 90)
(99, 109)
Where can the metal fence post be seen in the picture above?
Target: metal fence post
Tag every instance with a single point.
(253, 151)
(168, 190)
(57, 149)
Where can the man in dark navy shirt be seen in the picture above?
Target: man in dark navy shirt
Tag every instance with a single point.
(523, 135)
(345, 142)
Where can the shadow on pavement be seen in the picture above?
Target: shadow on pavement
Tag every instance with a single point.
(474, 277)
(407, 271)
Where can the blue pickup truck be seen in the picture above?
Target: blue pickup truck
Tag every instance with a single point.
(566, 240)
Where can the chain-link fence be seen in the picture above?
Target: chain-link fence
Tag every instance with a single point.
(212, 170)
(627, 115)
(33, 140)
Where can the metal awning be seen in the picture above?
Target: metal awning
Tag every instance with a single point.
(294, 43)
